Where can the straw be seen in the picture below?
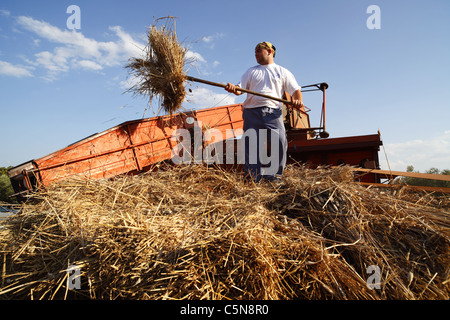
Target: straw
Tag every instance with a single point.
(160, 72)
(197, 232)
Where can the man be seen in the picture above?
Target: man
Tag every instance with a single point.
(263, 115)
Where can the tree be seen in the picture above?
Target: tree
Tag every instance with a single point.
(6, 188)
(427, 182)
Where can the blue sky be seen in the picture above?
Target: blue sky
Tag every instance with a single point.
(58, 86)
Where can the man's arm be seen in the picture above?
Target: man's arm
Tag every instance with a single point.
(297, 99)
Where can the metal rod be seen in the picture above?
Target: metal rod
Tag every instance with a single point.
(323, 110)
(240, 89)
(320, 86)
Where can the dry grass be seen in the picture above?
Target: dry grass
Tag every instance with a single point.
(193, 232)
(160, 72)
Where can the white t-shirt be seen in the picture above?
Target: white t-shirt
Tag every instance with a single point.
(272, 80)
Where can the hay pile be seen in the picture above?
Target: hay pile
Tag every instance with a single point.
(201, 233)
(160, 72)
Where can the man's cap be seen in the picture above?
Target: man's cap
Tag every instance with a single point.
(267, 45)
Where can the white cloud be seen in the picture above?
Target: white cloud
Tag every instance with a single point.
(56, 61)
(9, 69)
(210, 39)
(72, 49)
(76, 50)
(203, 66)
(129, 83)
(205, 98)
(89, 65)
(197, 57)
(128, 45)
(423, 154)
(54, 34)
(5, 13)
(207, 39)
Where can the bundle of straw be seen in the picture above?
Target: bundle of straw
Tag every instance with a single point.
(161, 70)
(201, 233)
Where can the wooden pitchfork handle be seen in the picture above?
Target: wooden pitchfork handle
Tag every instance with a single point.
(216, 84)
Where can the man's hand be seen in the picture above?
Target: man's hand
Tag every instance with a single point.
(297, 100)
(233, 89)
(297, 104)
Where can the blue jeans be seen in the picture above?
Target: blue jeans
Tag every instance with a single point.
(265, 143)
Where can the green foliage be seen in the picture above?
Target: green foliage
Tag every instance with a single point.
(5, 186)
(427, 182)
